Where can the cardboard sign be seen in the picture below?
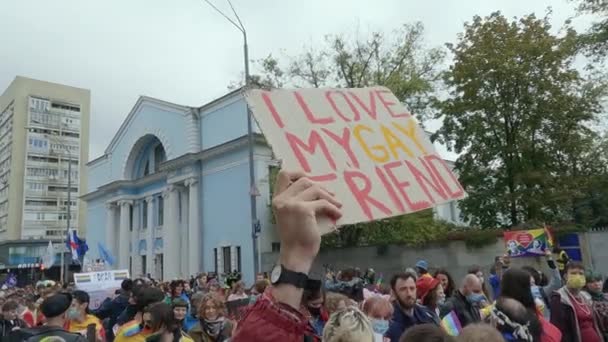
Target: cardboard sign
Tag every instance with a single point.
(100, 285)
(360, 143)
(525, 243)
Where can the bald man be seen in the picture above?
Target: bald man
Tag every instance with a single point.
(466, 301)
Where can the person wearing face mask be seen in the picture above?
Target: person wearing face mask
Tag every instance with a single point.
(379, 311)
(571, 308)
(466, 301)
(476, 270)
(599, 299)
(10, 319)
(79, 317)
(430, 294)
(516, 285)
(212, 325)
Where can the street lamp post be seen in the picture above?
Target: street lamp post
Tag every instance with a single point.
(257, 262)
(63, 273)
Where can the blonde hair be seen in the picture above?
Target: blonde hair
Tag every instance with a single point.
(219, 306)
(348, 325)
(332, 301)
(374, 306)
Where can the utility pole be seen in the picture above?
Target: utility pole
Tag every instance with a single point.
(253, 192)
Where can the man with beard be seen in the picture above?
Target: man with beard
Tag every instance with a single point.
(466, 301)
(406, 312)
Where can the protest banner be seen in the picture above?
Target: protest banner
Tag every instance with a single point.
(100, 285)
(361, 144)
(526, 243)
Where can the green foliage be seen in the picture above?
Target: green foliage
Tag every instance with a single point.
(398, 61)
(595, 40)
(518, 113)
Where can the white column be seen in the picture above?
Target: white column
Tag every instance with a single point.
(137, 267)
(183, 233)
(150, 237)
(123, 235)
(170, 235)
(111, 228)
(194, 239)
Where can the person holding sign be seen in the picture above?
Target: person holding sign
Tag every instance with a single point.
(298, 203)
(79, 317)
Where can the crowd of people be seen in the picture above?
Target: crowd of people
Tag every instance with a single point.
(507, 303)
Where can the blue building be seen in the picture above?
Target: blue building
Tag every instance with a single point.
(170, 196)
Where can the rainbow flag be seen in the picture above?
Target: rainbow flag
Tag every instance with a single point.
(451, 324)
(550, 241)
(379, 280)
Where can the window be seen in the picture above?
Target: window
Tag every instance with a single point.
(161, 211)
(215, 260)
(131, 265)
(144, 216)
(131, 217)
(143, 265)
(179, 208)
(238, 258)
(159, 156)
(276, 246)
(226, 259)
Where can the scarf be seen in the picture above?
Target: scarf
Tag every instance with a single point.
(213, 328)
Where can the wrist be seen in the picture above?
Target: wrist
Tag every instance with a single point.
(295, 262)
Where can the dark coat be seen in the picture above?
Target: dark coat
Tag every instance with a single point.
(465, 311)
(401, 322)
(40, 333)
(110, 309)
(7, 326)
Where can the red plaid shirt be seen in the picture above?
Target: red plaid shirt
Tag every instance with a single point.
(269, 320)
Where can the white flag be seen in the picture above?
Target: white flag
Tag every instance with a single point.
(49, 256)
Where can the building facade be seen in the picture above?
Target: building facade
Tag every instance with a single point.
(43, 140)
(170, 196)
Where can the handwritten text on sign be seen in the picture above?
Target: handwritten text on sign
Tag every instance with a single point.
(361, 143)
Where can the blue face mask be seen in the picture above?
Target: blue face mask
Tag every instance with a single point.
(380, 326)
(475, 298)
(536, 292)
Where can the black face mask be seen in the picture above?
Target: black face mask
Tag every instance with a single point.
(314, 311)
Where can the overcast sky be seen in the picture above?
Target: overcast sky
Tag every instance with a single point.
(184, 52)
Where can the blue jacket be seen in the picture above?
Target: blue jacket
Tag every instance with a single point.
(401, 322)
(189, 322)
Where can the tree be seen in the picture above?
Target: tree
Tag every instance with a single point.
(518, 112)
(596, 39)
(398, 61)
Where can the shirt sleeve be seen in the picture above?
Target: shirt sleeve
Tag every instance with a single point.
(271, 321)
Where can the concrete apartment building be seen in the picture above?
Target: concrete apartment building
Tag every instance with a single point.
(43, 128)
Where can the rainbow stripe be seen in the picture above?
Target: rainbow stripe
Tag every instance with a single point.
(130, 329)
(451, 324)
(82, 278)
(120, 275)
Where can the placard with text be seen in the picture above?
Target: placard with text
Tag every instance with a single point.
(360, 143)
